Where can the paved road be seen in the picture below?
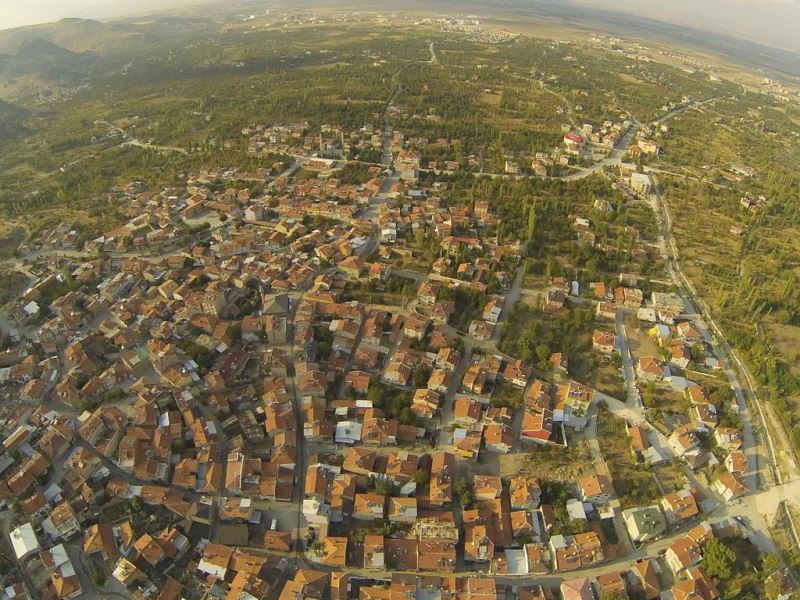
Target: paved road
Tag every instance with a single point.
(634, 399)
(512, 297)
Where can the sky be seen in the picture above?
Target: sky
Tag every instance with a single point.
(15, 13)
(771, 22)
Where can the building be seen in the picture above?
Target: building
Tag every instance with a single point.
(596, 489)
(641, 184)
(644, 523)
(24, 541)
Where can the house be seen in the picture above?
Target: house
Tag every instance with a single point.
(467, 411)
(486, 487)
(65, 581)
(516, 373)
(99, 538)
(468, 443)
(481, 330)
(651, 369)
(278, 540)
(479, 543)
(696, 586)
(358, 380)
(416, 327)
(577, 589)
(360, 461)
(612, 583)
(402, 510)
(684, 553)
(307, 583)
(729, 438)
(644, 523)
(440, 380)
(730, 486)
(679, 506)
(645, 571)
(603, 341)
(685, 442)
(379, 432)
(688, 333)
(596, 489)
(443, 469)
(333, 552)
(442, 310)
(638, 440)
(62, 522)
(374, 557)
(369, 506)
(24, 541)
(606, 311)
(498, 437)
(576, 551)
(736, 462)
(525, 492)
(425, 403)
(347, 432)
(215, 560)
(492, 309)
(640, 182)
(426, 295)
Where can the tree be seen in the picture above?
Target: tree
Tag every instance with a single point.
(421, 477)
(719, 560)
(466, 500)
(98, 578)
(531, 222)
(770, 563)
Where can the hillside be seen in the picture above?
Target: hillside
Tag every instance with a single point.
(11, 120)
(76, 35)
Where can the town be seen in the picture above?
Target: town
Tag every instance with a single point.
(372, 364)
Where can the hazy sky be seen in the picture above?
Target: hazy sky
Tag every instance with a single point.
(773, 22)
(14, 13)
(770, 22)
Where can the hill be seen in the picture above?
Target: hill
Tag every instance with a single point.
(76, 35)
(41, 49)
(11, 120)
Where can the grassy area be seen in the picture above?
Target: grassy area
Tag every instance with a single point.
(396, 291)
(506, 394)
(607, 379)
(13, 284)
(304, 174)
(633, 482)
(11, 236)
(546, 462)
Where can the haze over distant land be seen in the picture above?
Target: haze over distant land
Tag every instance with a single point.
(772, 23)
(31, 12)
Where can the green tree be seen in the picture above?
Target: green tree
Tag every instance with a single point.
(770, 563)
(422, 477)
(531, 222)
(719, 560)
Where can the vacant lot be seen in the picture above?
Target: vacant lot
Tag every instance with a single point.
(549, 463)
(633, 482)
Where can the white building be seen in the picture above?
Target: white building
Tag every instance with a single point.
(24, 541)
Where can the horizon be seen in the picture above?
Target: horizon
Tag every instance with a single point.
(772, 23)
